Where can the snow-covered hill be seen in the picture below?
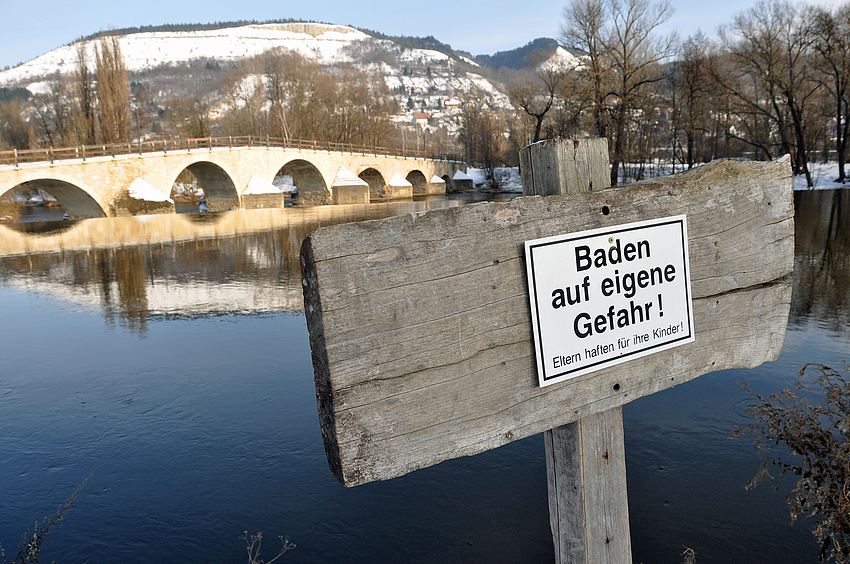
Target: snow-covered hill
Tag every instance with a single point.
(426, 82)
(144, 51)
(563, 60)
(326, 43)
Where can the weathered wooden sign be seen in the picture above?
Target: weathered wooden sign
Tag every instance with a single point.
(606, 296)
(422, 336)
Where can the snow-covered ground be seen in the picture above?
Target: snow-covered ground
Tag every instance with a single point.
(823, 176)
(140, 189)
(258, 186)
(561, 59)
(285, 184)
(507, 179)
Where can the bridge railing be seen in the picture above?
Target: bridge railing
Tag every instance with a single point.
(84, 152)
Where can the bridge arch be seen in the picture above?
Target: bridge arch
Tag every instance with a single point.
(419, 182)
(449, 184)
(312, 187)
(376, 181)
(224, 173)
(76, 200)
(219, 188)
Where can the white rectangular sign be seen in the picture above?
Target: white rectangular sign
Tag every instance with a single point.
(605, 296)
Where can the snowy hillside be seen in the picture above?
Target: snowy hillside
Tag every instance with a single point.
(325, 43)
(144, 51)
(427, 79)
(563, 60)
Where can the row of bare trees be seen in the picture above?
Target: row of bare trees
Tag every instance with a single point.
(283, 94)
(92, 106)
(775, 82)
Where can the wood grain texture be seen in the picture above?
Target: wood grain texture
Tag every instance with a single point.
(603, 468)
(586, 472)
(420, 326)
(565, 485)
(556, 167)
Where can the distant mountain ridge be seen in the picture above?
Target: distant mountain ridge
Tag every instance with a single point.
(187, 27)
(519, 58)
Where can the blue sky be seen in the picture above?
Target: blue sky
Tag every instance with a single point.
(31, 28)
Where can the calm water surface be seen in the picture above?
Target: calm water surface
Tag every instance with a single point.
(170, 356)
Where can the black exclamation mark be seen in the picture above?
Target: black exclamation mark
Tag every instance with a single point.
(660, 307)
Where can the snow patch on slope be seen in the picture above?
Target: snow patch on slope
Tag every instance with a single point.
(562, 60)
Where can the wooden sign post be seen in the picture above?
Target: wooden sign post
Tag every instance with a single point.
(422, 341)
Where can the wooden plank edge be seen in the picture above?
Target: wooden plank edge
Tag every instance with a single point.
(318, 351)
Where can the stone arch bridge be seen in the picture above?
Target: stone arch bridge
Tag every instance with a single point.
(93, 181)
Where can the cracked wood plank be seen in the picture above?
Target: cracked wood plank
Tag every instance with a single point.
(420, 327)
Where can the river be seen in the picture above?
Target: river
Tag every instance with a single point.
(168, 356)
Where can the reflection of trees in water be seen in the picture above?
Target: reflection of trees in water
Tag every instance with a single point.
(118, 277)
(257, 256)
(135, 283)
(130, 269)
(822, 261)
(123, 277)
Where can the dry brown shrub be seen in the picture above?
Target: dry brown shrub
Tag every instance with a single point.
(804, 432)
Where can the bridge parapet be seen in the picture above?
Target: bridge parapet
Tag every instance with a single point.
(17, 157)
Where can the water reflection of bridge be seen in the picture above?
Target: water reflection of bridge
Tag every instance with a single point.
(94, 182)
(139, 268)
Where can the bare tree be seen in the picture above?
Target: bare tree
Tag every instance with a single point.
(15, 132)
(537, 90)
(746, 108)
(85, 95)
(566, 121)
(771, 72)
(584, 29)
(307, 101)
(187, 118)
(245, 101)
(691, 94)
(624, 57)
(54, 116)
(635, 57)
(361, 106)
(831, 43)
(113, 91)
(285, 76)
(478, 133)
